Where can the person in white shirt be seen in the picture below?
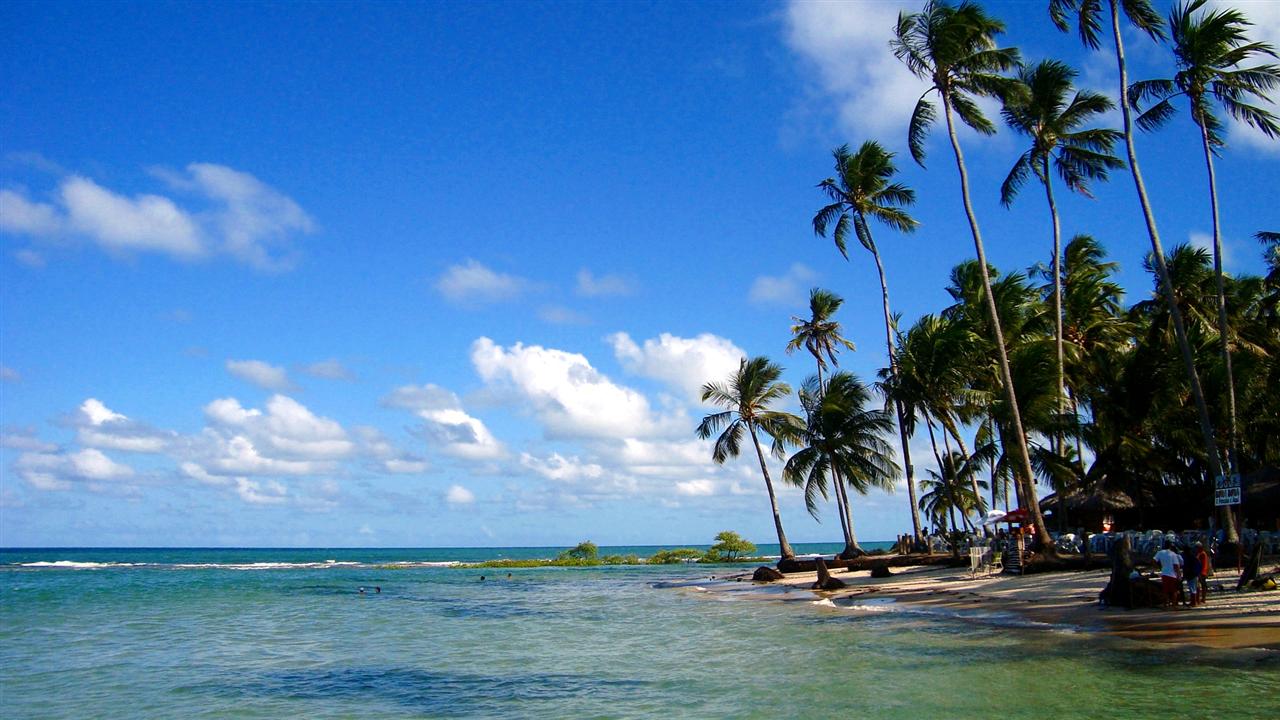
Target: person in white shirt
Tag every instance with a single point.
(1170, 574)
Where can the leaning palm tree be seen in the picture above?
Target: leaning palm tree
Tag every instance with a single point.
(1142, 16)
(820, 335)
(843, 441)
(953, 48)
(862, 190)
(1053, 117)
(1209, 50)
(746, 397)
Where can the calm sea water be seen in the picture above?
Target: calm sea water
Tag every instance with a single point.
(169, 633)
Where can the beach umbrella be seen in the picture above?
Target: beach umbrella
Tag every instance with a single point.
(1019, 516)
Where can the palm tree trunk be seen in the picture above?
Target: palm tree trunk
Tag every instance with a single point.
(783, 546)
(1162, 268)
(1057, 294)
(955, 502)
(893, 373)
(1021, 456)
(964, 450)
(851, 548)
(1223, 328)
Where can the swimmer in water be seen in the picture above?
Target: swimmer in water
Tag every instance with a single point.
(362, 591)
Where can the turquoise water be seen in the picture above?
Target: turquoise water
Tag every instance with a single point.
(284, 633)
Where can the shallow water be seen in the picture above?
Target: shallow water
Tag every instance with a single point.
(294, 638)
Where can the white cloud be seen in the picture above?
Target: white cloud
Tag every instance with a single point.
(790, 288)
(562, 469)
(458, 495)
(8, 374)
(683, 363)
(243, 217)
(568, 396)
(1265, 16)
(268, 492)
(445, 424)
(331, 369)
(25, 439)
(1204, 241)
(286, 439)
(30, 258)
(696, 488)
(472, 282)
(100, 427)
(848, 44)
(22, 216)
(253, 220)
(147, 222)
(606, 285)
(59, 471)
(257, 372)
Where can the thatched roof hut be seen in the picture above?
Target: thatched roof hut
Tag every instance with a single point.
(1088, 510)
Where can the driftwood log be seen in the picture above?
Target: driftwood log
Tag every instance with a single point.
(764, 573)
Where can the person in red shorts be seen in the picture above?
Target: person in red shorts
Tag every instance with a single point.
(1170, 574)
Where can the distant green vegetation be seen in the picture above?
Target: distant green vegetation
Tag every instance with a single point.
(729, 548)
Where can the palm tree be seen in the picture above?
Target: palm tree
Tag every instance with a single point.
(746, 396)
(1209, 50)
(862, 190)
(842, 440)
(954, 49)
(1142, 16)
(820, 335)
(1053, 123)
(951, 489)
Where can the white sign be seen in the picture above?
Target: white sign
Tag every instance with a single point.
(1226, 490)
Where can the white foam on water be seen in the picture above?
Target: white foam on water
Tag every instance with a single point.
(76, 564)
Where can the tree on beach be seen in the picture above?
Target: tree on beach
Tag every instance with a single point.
(1048, 112)
(730, 546)
(860, 190)
(820, 335)
(954, 49)
(1140, 14)
(746, 397)
(842, 441)
(950, 489)
(1210, 50)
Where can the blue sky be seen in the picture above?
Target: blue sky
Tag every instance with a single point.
(451, 274)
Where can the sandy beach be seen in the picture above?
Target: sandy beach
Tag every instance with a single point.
(1057, 600)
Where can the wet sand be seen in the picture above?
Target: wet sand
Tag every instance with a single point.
(1057, 600)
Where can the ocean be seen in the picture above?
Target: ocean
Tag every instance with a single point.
(283, 633)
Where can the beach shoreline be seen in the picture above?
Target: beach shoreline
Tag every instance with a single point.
(1064, 601)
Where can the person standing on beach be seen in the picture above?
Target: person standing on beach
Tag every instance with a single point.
(1206, 570)
(1191, 570)
(1170, 574)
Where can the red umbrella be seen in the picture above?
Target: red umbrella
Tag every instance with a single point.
(1019, 515)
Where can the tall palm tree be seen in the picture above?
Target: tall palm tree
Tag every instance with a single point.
(746, 397)
(820, 335)
(1141, 15)
(843, 440)
(860, 190)
(1054, 123)
(1209, 50)
(951, 489)
(954, 49)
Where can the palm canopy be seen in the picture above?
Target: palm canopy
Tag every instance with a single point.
(1046, 111)
(953, 48)
(1209, 50)
(952, 489)
(747, 396)
(842, 438)
(820, 334)
(862, 188)
(1088, 15)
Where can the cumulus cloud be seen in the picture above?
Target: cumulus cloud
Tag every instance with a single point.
(847, 44)
(286, 439)
(683, 363)
(603, 286)
(24, 439)
(568, 396)
(98, 426)
(264, 492)
(473, 283)
(257, 372)
(241, 216)
(458, 495)
(60, 471)
(789, 288)
(445, 425)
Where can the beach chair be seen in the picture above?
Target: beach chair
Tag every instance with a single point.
(996, 563)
